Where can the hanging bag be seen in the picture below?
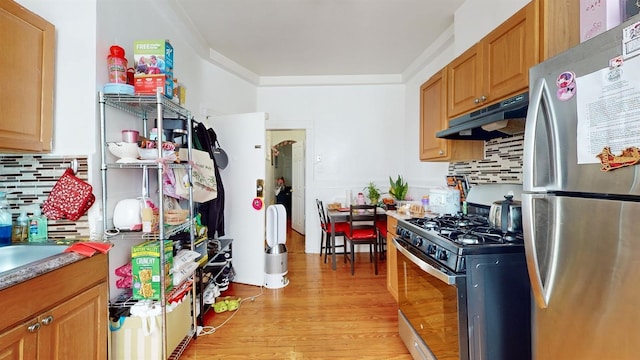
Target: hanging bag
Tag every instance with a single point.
(204, 178)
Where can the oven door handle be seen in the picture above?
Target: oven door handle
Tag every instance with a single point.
(428, 265)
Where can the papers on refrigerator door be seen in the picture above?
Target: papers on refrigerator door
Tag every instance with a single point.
(631, 39)
(608, 110)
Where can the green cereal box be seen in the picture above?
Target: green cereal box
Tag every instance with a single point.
(153, 65)
(153, 57)
(146, 267)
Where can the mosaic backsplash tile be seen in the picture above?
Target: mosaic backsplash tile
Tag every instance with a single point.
(502, 163)
(28, 180)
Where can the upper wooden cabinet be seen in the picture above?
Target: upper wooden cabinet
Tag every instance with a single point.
(26, 70)
(433, 118)
(558, 26)
(465, 82)
(497, 67)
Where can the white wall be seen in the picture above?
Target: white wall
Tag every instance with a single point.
(385, 118)
(354, 135)
(337, 118)
(84, 31)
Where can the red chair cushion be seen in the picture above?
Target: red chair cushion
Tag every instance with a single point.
(363, 234)
(339, 226)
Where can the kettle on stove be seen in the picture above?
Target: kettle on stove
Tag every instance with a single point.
(506, 215)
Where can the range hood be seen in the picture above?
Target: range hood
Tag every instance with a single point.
(504, 118)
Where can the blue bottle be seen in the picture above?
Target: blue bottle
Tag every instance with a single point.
(6, 223)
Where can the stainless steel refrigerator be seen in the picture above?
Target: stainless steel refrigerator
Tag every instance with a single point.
(582, 224)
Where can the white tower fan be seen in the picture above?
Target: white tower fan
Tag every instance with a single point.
(275, 276)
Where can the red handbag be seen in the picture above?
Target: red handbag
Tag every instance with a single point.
(70, 198)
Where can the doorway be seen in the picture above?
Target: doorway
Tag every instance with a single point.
(286, 158)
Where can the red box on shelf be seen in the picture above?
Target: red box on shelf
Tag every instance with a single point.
(148, 84)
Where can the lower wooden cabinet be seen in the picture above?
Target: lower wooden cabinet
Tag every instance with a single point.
(58, 326)
(392, 257)
(19, 342)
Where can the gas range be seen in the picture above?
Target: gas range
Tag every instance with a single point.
(474, 277)
(447, 239)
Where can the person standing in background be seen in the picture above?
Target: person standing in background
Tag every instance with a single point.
(283, 195)
(279, 185)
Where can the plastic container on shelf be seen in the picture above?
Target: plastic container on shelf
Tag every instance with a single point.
(117, 65)
(6, 224)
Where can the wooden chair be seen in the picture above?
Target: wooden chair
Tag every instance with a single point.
(362, 231)
(325, 237)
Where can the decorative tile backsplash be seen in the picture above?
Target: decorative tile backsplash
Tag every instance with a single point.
(28, 180)
(502, 163)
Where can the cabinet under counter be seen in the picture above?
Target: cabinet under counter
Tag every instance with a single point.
(49, 315)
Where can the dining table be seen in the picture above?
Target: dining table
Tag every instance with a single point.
(343, 215)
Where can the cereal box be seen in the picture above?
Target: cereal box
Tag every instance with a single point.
(146, 267)
(153, 64)
(153, 57)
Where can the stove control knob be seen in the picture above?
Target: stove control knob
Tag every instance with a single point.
(418, 241)
(431, 249)
(443, 255)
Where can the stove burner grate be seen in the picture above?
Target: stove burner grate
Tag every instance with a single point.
(466, 229)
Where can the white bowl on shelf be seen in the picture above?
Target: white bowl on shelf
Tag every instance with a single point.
(127, 152)
(152, 154)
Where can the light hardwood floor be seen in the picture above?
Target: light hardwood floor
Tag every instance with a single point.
(321, 314)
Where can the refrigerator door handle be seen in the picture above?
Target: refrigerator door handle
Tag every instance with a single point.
(541, 279)
(540, 158)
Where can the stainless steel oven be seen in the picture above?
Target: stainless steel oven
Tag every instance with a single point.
(463, 287)
(432, 306)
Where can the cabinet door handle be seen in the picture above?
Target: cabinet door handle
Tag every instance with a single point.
(33, 328)
(483, 98)
(48, 320)
(441, 152)
(476, 101)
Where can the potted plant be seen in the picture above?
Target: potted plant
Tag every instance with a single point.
(373, 193)
(398, 188)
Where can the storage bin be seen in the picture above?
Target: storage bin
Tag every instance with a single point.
(129, 342)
